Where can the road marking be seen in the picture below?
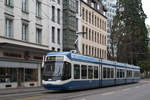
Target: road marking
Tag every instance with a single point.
(83, 99)
(108, 93)
(22, 94)
(126, 89)
(137, 86)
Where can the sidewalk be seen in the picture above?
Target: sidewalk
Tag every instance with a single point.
(20, 90)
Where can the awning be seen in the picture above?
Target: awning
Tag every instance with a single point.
(18, 65)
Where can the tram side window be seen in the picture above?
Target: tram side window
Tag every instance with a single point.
(112, 73)
(83, 71)
(104, 72)
(76, 71)
(129, 73)
(136, 74)
(108, 72)
(118, 73)
(95, 72)
(90, 72)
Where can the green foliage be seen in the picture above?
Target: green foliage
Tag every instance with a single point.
(129, 31)
(145, 64)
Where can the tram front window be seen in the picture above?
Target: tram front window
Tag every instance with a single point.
(57, 70)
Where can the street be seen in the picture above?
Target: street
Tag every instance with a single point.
(139, 91)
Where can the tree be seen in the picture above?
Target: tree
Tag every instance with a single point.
(129, 31)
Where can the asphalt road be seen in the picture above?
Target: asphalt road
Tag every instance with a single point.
(139, 91)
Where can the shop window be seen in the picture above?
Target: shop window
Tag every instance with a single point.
(8, 75)
(31, 75)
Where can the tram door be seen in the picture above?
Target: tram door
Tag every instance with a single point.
(20, 77)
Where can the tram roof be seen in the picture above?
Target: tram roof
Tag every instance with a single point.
(82, 58)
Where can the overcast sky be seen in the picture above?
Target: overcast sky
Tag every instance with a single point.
(146, 8)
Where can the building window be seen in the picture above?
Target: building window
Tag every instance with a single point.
(92, 18)
(95, 20)
(83, 13)
(86, 49)
(58, 1)
(25, 5)
(53, 49)
(38, 35)
(24, 31)
(38, 8)
(89, 34)
(58, 49)
(77, 8)
(53, 34)
(86, 32)
(89, 17)
(58, 36)
(83, 31)
(53, 13)
(89, 50)
(9, 3)
(92, 35)
(76, 24)
(58, 16)
(83, 49)
(86, 15)
(9, 27)
(95, 36)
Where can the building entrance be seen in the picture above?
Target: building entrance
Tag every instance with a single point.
(21, 77)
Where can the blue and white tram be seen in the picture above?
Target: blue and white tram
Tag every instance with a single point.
(69, 71)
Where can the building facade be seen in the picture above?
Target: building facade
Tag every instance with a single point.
(69, 24)
(110, 5)
(26, 29)
(93, 22)
(56, 25)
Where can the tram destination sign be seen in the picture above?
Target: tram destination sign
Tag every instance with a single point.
(55, 58)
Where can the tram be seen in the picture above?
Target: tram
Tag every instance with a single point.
(69, 71)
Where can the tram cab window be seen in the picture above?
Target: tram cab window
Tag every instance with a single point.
(90, 72)
(83, 71)
(66, 71)
(95, 72)
(76, 71)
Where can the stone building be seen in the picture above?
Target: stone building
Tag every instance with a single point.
(28, 30)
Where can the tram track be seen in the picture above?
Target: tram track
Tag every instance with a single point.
(65, 95)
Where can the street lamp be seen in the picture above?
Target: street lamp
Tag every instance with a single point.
(77, 40)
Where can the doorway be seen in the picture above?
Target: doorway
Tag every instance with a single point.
(20, 77)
